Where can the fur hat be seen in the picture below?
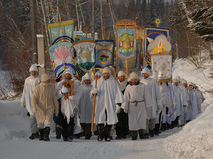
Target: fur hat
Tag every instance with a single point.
(33, 68)
(121, 73)
(175, 80)
(112, 71)
(184, 81)
(106, 70)
(67, 71)
(86, 77)
(190, 84)
(146, 70)
(45, 77)
(133, 75)
(99, 73)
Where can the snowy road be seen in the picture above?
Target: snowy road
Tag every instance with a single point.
(23, 148)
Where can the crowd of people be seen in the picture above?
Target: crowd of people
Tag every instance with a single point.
(130, 107)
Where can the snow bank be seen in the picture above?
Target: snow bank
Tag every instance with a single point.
(195, 140)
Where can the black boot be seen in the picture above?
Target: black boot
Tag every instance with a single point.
(46, 134)
(156, 130)
(34, 136)
(151, 133)
(101, 132)
(107, 132)
(134, 135)
(41, 131)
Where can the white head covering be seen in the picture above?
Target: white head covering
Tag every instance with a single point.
(33, 68)
(45, 77)
(190, 84)
(175, 80)
(146, 70)
(67, 71)
(112, 71)
(133, 75)
(184, 81)
(87, 77)
(178, 78)
(98, 73)
(106, 70)
(121, 73)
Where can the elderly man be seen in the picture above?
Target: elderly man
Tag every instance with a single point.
(44, 104)
(156, 101)
(137, 101)
(29, 86)
(122, 125)
(108, 95)
(69, 92)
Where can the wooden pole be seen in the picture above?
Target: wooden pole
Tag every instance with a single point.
(93, 112)
(41, 55)
(59, 14)
(109, 35)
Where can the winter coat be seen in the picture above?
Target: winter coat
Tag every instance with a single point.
(108, 95)
(44, 102)
(29, 86)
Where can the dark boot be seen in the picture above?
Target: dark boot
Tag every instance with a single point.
(134, 135)
(101, 132)
(156, 130)
(151, 133)
(41, 131)
(107, 132)
(34, 136)
(46, 134)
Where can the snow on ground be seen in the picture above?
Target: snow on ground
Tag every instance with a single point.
(196, 138)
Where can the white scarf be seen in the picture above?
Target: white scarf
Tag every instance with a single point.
(122, 85)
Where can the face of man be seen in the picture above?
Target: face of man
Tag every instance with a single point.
(190, 87)
(134, 81)
(87, 82)
(122, 78)
(175, 83)
(106, 75)
(185, 85)
(68, 76)
(145, 75)
(33, 73)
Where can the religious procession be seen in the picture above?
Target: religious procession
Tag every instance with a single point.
(105, 87)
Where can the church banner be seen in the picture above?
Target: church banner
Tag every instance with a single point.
(85, 52)
(62, 56)
(61, 32)
(151, 33)
(162, 66)
(104, 53)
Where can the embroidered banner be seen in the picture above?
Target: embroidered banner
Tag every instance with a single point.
(61, 32)
(62, 56)
(104, 53)
(162, 66)
(85, 52)
(150, 35)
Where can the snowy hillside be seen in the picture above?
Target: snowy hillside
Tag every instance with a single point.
(196, 138)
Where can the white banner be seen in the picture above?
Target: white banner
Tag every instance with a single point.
(162, 66)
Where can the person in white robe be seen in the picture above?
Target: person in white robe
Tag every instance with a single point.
(122, 129)
(201, 97)
(69, 92)
(108, 95)
(152, 113)
(29, 86)
(86, 106)
(195, 101)
(137, 101)
(185, 99)
(179, 107)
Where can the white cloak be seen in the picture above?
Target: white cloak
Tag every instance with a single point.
(195, 102)
(108, 95)
(85, 105)
(155, 95)
(29, 86)
(137, 113)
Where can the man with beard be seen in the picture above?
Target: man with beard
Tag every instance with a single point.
(137, 101)
(69, 92)
(122, 125)
(29, 86)
(108, 95)
(156, 102)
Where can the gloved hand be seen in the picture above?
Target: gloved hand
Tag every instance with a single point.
(64, 89)
(125, 110)
(118, 109)
(174, 106)
(75, 110)
(94, 91)
(71, 98)
(22, 105)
